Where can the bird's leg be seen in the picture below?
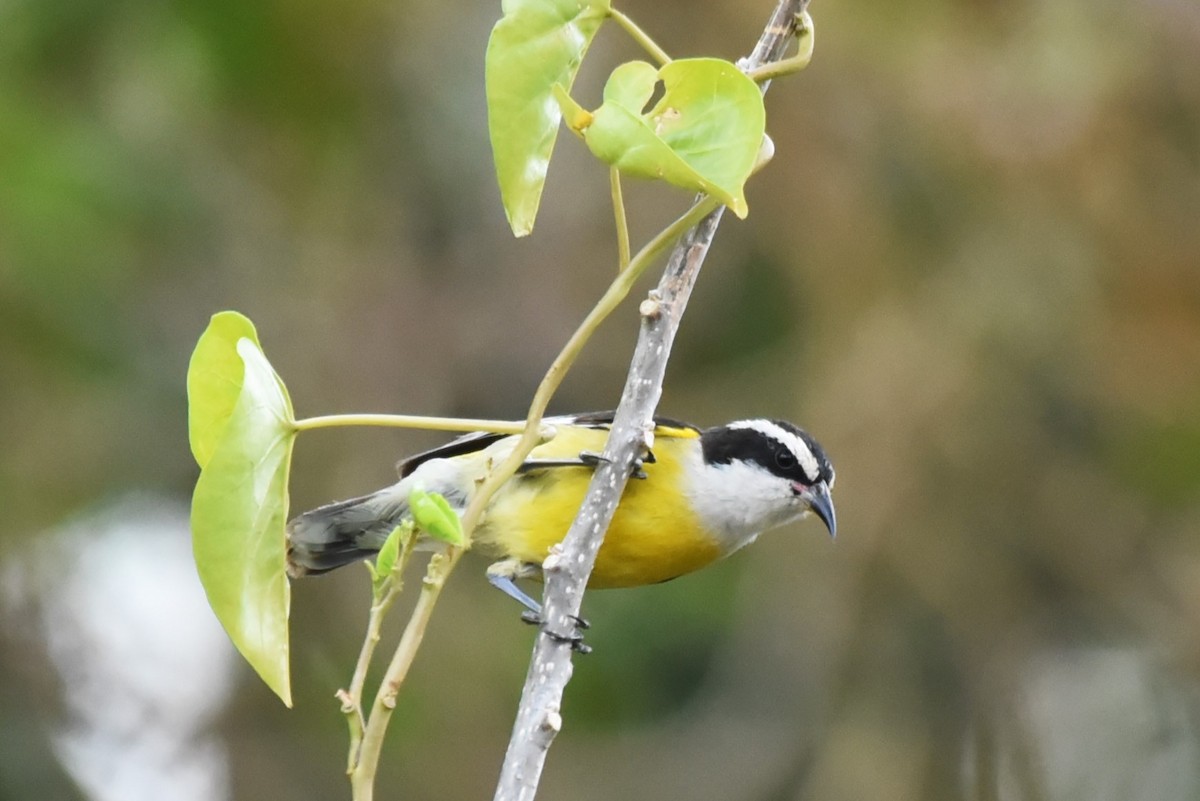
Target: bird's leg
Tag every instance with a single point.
(502, 576)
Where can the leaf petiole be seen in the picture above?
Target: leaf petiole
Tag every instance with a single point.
(786, 66)
(618, 199)
(410, 421)
(640, 36)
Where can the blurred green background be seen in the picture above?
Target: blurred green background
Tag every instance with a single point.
(972, 271)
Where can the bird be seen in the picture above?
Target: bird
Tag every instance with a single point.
(699, 496)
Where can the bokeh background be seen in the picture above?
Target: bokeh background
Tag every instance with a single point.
(973, 271)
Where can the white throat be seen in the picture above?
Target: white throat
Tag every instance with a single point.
(739, 500)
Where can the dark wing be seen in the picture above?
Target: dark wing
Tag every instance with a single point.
(467, 443)
(591, 419)
(478, 440)
(665, 426)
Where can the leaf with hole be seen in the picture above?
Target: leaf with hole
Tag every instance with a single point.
(538, 44)
(703, 134)
(242, 430)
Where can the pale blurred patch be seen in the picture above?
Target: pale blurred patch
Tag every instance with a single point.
(143, 665)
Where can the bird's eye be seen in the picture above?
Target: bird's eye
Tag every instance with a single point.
(785, 459)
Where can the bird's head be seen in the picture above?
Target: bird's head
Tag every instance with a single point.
(764, 473)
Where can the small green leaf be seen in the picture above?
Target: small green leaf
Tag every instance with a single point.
(239, 507)
(433, 515)
(385, 562)
(538, 43)
(704, 134)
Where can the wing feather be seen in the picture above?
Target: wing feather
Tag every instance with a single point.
(478, 440)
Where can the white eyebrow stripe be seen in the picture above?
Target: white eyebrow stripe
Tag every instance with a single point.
(796, 444)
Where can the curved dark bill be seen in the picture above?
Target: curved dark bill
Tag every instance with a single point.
(821, 503)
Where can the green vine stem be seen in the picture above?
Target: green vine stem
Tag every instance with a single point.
(409, 421)
(803, 26)
(618, 200)
(641, 37)
(617, 291)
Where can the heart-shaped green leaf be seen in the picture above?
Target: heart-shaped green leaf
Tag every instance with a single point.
(703, 134)
(433, 515)
(240, 503)
(538, 43)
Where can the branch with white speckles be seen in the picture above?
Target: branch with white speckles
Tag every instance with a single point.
(567, 570)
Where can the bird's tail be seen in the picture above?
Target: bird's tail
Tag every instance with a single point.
(340, 533)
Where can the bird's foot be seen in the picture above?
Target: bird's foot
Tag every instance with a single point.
(574, 639)
(593, 459)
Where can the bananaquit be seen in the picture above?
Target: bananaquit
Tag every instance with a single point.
(702, 495)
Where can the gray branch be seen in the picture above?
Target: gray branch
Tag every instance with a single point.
(567, 571)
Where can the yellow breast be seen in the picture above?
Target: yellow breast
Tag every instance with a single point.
(654, 534)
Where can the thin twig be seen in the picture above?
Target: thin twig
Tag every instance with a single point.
(538, 719)
(362, 778)
(382, 598)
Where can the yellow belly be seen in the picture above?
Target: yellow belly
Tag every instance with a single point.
(654, 534)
